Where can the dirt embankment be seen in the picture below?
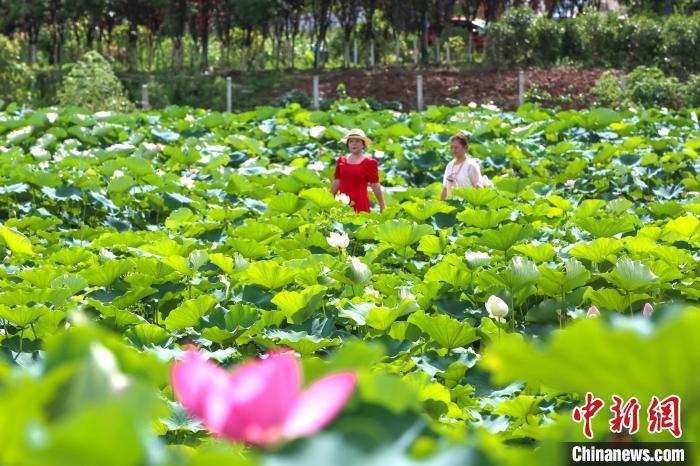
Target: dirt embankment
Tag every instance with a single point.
(564, 87)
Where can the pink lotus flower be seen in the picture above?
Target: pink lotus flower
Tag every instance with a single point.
(648, 310)
(261, 401)
(592, 312)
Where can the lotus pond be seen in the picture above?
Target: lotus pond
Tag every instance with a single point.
(126, 237)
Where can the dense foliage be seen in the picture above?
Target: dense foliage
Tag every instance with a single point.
(92, 85)
(127, 236)
(647, 87)
(16, 77)
(595, 39)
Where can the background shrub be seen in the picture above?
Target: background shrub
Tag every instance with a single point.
(691, 91)
(608, 90)
(643, 41)
(509, 41)
(649, 87)
(17, 79)
(547, 41)
(92, 84)
(681, 42)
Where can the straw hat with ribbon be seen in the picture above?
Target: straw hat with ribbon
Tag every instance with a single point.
(357, 134)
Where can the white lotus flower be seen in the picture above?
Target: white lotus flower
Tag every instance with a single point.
(694, 117)
(189, 118)
(472, 105)
(187, 182)
(484, 181)
(117, 174)
(570, 183)
(106, 255)
(378, 154)
(317, 131)
(51, 116)
(405, 292)
(316, 166)
(370, 291)
(496, 307)
(663, 132)
(338, 240)
(476, 259)
(343, 198)
(225, 281)
(356, 262)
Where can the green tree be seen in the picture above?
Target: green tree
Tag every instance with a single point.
(92, 84)
(16, 77)
(29, 16)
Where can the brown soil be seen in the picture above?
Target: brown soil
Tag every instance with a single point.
(564, 87)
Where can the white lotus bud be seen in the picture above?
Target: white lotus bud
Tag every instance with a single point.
(496, 307)
(476, 259)
(342, 198)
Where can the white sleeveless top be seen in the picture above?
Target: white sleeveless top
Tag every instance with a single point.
(468, 175)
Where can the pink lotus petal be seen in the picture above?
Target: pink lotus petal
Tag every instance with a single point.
(319, 404)
(261, 394)
(648, 310)
(193, 379)
(593, 312)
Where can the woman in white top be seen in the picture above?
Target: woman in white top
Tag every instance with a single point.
(462, 171)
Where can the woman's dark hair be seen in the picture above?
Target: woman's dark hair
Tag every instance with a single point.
(461, 138)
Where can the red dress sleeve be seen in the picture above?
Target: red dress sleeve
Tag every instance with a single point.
(336, 175)
(372, 171)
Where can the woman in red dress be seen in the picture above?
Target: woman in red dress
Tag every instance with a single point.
(356, 171)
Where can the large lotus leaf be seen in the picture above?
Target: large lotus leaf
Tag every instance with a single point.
(143, 335)
(16, 241)
(450, 270)
(607, 227)
(479, 197)
(320, 197)
(685, 228)
(298, 306)
(269, 274)
(506, 236)
(624, 360)
(519, 273)
(23, 315)
(444, 330)
(400, 233)
(484, 219)
(421, 211)
(105, 274)
(302, 342)
(188, 313)
(610, 298)
(556, 283)
(597, 250)
(631, 275)
(537, 252)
